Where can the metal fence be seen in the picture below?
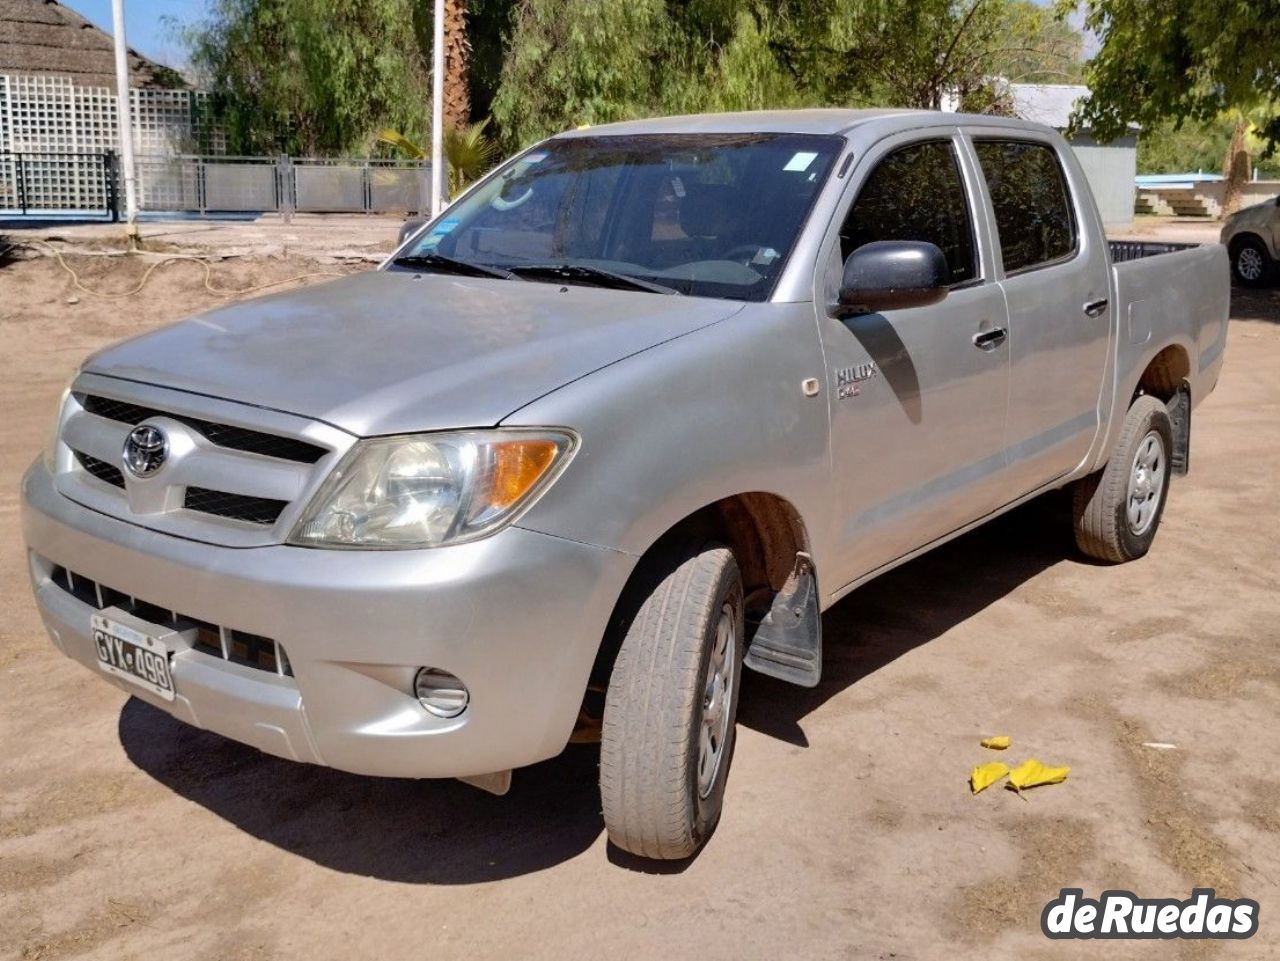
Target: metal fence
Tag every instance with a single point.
(41, 183)
(41, 112)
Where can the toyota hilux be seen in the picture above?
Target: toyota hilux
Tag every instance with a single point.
(617, 425)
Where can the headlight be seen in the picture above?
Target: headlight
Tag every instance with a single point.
(425, 490)
(50, 452)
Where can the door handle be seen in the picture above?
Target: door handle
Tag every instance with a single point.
(990, 339)
(1095, 307)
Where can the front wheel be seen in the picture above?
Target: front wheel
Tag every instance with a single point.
(668, 732)
(1118, 509)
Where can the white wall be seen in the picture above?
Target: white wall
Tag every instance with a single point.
(1110, 169)
(1253, 192)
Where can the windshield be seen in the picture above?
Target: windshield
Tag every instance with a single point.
(705, 214)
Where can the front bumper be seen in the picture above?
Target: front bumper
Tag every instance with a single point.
(517, 616)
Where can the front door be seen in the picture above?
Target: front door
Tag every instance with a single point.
(917, 397)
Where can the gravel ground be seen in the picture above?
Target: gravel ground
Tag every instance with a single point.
(849, 830)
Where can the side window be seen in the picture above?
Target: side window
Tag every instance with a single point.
(1032, 205)
(915, 193)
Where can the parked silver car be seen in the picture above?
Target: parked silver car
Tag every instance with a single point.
(1252, 237)
(622, 421)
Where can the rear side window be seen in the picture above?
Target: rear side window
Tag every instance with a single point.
(1032, 205)
(915, 194)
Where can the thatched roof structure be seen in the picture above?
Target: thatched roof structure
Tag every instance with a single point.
(44, 37)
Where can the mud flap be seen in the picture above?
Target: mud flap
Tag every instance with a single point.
(1180, 418)
(788, 643)
(499, 782)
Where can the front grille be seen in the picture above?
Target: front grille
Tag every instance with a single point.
(101, 469)
(238, 647)
(224, 435)
(240, 507)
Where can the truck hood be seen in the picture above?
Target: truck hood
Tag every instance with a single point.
(393, 352)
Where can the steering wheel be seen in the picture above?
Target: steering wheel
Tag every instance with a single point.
(747, 253)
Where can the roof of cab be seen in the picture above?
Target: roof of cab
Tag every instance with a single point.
(819, 120)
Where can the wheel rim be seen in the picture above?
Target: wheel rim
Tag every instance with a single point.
(717, 693)
(1146, 483)
(1249, 263)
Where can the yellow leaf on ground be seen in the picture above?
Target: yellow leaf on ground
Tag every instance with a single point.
(1031, 773)
(998, 743)
(985, 775)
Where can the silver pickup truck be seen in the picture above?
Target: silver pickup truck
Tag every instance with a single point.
(621, 422)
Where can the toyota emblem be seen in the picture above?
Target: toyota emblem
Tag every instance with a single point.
(145, 450)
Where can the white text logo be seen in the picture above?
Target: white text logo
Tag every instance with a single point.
(1120, 914)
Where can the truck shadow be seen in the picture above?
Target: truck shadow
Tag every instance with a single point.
(443, 832)
(417, 832)
(1255, 304)
(913, 604)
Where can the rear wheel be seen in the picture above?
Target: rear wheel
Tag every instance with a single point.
(1118, 509)
(1251, 264)
(668, 731)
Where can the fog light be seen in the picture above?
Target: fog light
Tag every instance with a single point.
(440, 692)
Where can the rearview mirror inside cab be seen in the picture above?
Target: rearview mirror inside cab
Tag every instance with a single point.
(892, 275)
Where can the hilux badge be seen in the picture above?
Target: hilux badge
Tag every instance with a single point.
(145, 450)
(848, 378)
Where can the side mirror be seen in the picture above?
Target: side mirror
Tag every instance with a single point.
(408, 227)
(892, 275)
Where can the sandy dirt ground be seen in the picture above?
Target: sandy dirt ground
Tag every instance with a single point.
(324, 238)
(849, 830)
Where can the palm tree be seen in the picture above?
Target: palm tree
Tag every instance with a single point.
(1237, 166)
(457, 66)
(468, 151)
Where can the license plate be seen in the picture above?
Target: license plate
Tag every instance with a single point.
(132, 655)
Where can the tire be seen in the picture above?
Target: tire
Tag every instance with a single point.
(1118, 509)
(1251, 264)
(657, 803)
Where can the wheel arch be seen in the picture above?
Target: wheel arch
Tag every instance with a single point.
(1165, 373)
(764, 530)
(1238, 240)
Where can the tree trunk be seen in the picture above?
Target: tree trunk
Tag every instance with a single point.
(457, 65)
(1235, 168)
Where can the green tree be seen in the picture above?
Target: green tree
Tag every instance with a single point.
(915, 53)
(1192, 146)
(322, 76)
(313, 76)
(1183, 60)
(488, 32)
(469, 152)
(590, 61)
(1042, 47)
(575, 62)
(747, 69)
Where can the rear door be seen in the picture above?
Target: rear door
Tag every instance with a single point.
(1054, 270)
(917, 407)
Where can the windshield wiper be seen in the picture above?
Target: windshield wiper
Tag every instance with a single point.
(452, 265)
(598, 276)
